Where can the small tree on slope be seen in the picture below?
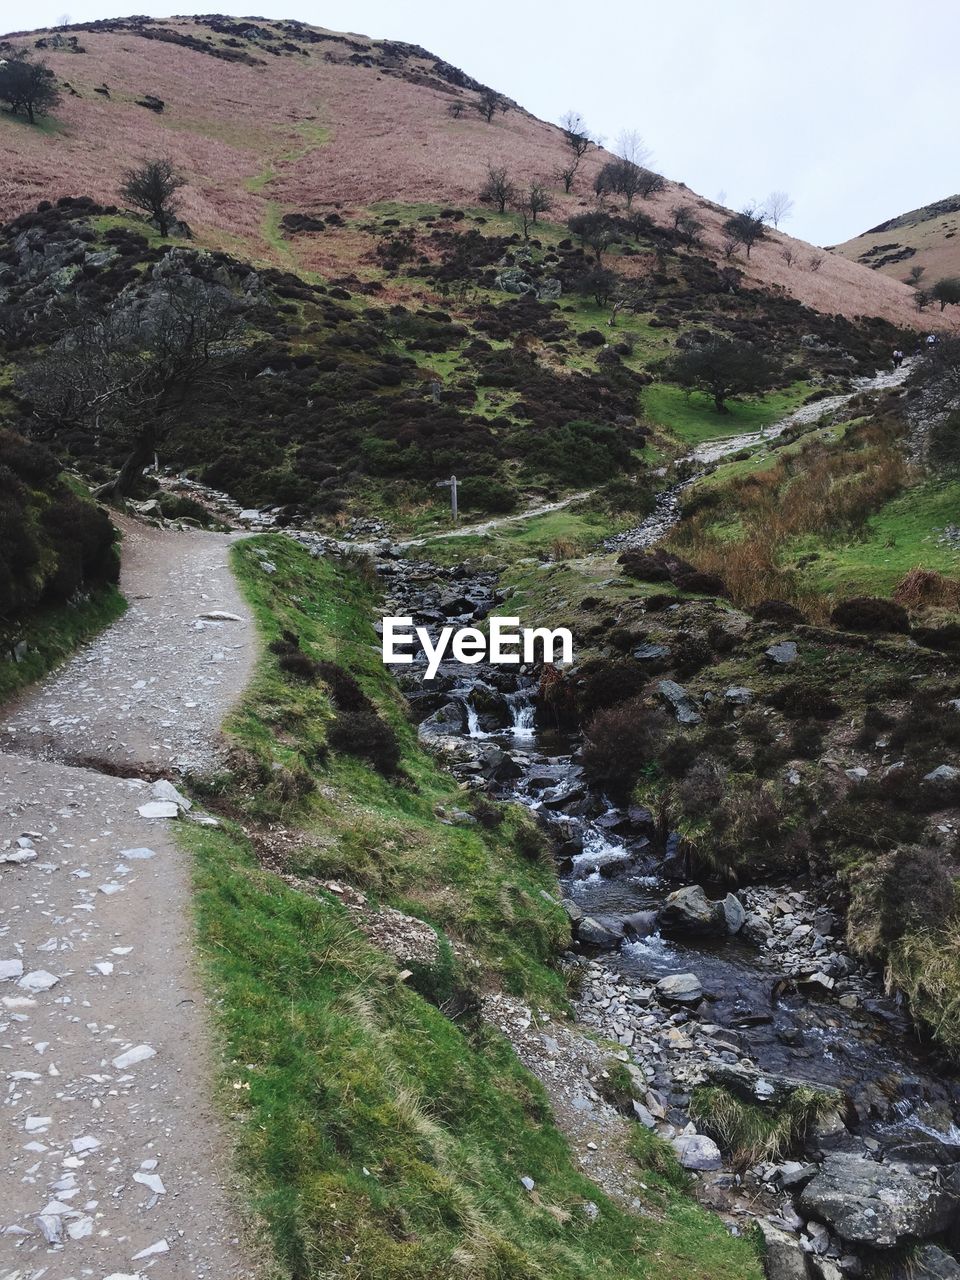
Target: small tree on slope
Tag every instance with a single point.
(722, 368)
(153, 187)
(28, 87)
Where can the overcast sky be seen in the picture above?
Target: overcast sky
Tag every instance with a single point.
(851, 106)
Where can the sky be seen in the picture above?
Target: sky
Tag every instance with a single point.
(850, 106)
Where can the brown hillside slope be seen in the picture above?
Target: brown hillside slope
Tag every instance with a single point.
(928, 237)
(269, 118)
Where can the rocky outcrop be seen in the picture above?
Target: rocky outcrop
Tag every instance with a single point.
(881, 1205)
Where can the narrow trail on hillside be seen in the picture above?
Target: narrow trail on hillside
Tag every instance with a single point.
(112, 1159)
(667, 507)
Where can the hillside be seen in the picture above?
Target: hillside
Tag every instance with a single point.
(925, 237)
(270, 119)
(642, 961)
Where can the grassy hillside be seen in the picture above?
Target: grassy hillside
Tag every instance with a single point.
(270, 119)
(924, 238)
(384, 1126)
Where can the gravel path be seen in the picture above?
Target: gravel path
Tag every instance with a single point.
(149, 694)
(112, 1159)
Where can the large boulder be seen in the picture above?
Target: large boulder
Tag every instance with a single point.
(697, 1151)
(881, 1205)
(752, 1085)
(689, 910)
(680, 988)
(783, 1259)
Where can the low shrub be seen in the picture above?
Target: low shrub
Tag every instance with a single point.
(622, 740)
(800, 700)
(871, 614)
(364, 733)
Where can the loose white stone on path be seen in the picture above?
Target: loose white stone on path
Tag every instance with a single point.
(160, 1246)
(104, 967)
(152, 1181)
(34, 1124)
(38, 980)
(158, 809)
(137, 855)
(10, 969)
(140, 1053)
(86, 1143)
(166, 793)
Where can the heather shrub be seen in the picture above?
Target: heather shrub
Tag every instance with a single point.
(778, 611)
(606, 681)
(908, 889)
(364, 733)
(802, 700)
(621, 741)
(484, 493)
(870, 613)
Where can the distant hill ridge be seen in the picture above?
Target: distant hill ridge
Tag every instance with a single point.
(272, 119)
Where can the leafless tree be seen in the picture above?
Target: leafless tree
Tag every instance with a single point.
(789, 254)
(498, 188)
(686, 223)
(778, 207)
(489, 103)
(746, 227)
(816, 262)
(127, 373)
(631, 147)
(914, 276)
(530, 203)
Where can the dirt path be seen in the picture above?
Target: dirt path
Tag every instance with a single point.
(112, 1161)
(149, 694)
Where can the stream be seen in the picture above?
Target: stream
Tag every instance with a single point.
(768, 1004)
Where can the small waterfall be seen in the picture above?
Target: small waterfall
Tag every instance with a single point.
(521, 714)
(473, 721)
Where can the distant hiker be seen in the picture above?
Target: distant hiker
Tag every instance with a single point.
(931, 341)
(897, 359)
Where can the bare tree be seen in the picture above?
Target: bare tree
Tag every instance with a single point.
(778, 206)
(530, 203)
(565, 174)
(489, 103)
(457, 108)
(686, 223)
(631, 147)
(594, 229)
(746, 227)
(153, 187)
(914, 276)
(789, 254)
(815, 262)
(498, 188)
(128, 373)
(576, 134)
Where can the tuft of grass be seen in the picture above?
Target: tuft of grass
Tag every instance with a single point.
(925, 966)
(750, 1132)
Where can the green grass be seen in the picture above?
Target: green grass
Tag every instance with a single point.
(750, 1132)
(692, 419)
(379, 1137)
(897, 538)
(52, 635)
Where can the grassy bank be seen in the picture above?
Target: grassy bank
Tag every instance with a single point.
(52, 635)
(384, 1128)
